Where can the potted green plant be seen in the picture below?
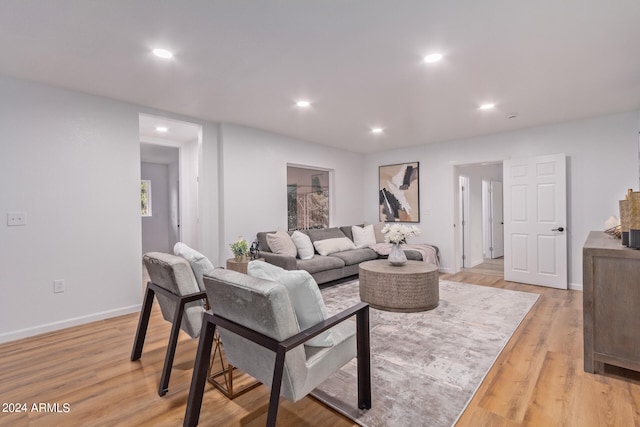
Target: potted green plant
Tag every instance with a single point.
(240, 249)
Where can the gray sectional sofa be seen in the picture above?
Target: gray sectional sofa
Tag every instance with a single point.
(325, 268)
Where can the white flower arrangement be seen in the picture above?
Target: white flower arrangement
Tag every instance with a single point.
(399, 233)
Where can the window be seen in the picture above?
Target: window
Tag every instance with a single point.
(145, 197)
(307, 198)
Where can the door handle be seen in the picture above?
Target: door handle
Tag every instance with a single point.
(558, 229)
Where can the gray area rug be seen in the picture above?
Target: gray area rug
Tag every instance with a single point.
(426, 366)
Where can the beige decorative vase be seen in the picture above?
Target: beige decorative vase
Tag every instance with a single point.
(624, 221)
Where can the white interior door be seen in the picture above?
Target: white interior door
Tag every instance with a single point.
(535, 214)
(497, 223)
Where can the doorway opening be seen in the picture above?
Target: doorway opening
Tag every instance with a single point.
(169, 158)
(479, 235)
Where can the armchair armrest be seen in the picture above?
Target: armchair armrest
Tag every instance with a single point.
(361, 310)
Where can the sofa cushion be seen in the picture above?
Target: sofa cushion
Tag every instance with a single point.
(262, 240)
(325, 233)
(304, 294)
(355, 256)
(346, 229)
(377, 230)
(330, 246)
(320, 263)
(413, 255)
(303, 244)
(363, 237)
(280, 243)
(200, 264)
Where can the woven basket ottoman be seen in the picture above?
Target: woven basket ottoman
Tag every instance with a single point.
(414, 286)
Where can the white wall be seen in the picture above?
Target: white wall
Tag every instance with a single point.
(72, 162)
(602, 156)
(254, 171)
(156, 228)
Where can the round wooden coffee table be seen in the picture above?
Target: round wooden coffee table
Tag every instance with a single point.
(414, 286)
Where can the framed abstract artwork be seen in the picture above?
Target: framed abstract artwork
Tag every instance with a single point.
(399, 192)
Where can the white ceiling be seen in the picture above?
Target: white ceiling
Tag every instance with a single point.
(152, 153)
(358, 61)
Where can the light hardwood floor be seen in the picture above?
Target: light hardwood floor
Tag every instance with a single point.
(538, 380)
(492, 267)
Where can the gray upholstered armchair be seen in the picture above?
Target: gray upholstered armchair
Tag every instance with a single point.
(261, 336)
(181, 303)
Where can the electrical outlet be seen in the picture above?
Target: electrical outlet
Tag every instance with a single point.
(58, 286)
(16, 218)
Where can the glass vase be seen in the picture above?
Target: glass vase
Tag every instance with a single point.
(396, 255)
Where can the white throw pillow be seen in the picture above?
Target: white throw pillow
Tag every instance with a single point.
(280, 243)
(303, 244)
(304, 294)
(200, 264)
(336, 244)
(363, 237)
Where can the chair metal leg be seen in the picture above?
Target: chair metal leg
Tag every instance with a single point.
(143, 323)
(276, 384)
(364, 359)
(200, 369)
(171, 349)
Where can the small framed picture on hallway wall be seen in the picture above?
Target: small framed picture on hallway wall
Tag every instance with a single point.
(399, 192)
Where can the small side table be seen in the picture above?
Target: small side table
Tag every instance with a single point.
(239, 266)
(223, 378)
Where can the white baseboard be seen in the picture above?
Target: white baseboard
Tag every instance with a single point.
(67, 323)
(476, 262)
(575, 286)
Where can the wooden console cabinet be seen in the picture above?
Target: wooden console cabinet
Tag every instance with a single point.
(611, 302)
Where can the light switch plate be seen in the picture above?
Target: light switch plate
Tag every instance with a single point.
(58, 286)
(16, 218)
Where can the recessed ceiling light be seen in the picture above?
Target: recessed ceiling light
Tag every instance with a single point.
(488, 106)
(163, 53)
(377, 130)
(162, 129)
(303, 103)
(434, 57)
